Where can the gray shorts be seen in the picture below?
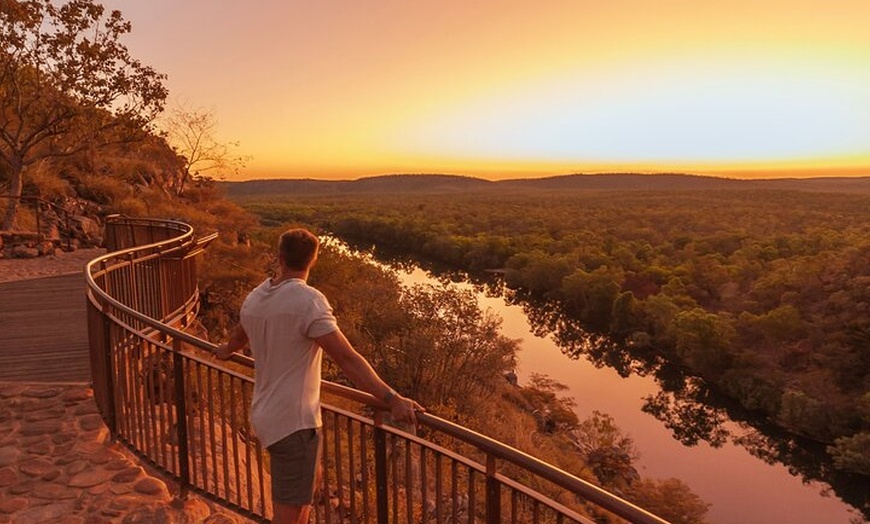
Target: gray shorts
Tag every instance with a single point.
(294, 463)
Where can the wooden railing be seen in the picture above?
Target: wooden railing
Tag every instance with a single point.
(163, 395)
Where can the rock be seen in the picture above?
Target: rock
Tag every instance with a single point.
(97, 519)
(42, 427)
(43, 447)
(62, 438)
(23, 252)
(85, 409)
(195, 509)
(71, 519)
(99, 489)
(8, 477)
(36, 405)
(88, 230)
(76, 395)
(76, 467)
(102, 456)
(150, 516)
(150, 486)
(51, 475)
(118, 464)
(48, 414)
(8, 455)
(11, 390)
(66, 454)
(26, 442)
(91, 422)
(12, 505)
(45, 249)
(21, 488)
(89, 478)
(53, 492)
(120, 489)
(48, 513)
(124, 502)
(42, 392)
(127, 475)
(36, 467)
(220, 518)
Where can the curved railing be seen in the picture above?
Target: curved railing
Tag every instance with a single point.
(162, 394)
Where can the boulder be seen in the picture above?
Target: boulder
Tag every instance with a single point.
(87, 230)
(22, 251)
(45, 249)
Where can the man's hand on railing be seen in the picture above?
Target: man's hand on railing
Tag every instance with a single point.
(403, 409)
(237, 342)
(222, 351)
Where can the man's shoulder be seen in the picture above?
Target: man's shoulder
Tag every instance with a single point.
(313, 293)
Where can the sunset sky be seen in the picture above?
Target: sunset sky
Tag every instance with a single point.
(521, 88)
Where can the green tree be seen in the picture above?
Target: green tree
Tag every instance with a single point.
(704, 340)
(608, 452)
(67, 85)
(670, 499)
(451, 351)
(852, 453)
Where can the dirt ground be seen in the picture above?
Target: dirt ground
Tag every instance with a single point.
(62, 263)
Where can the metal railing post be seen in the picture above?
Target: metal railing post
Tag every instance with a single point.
(181, 417)
(493, 492)
(381, 494)
(111, 416)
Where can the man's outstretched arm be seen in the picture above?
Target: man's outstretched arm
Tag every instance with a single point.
(237, 342)
(361, 373)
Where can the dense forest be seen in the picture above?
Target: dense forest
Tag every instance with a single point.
(762, 294)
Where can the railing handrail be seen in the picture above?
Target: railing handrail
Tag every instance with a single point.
(49, 203)
(487, 445)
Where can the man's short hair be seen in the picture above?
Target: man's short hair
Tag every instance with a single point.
(298, 247)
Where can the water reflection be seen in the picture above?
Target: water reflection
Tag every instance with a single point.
(692, 411)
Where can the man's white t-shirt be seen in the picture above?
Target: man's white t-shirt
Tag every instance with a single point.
(281, 322)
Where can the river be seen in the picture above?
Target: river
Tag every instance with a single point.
(741, 488)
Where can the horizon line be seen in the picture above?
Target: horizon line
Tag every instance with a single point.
(738, 175)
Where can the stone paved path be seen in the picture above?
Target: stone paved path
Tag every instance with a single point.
(57, 462)
(58, 465)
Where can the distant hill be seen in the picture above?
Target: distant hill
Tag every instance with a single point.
(375, 184)
(397, 184)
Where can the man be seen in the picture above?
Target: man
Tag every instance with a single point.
(286, 323)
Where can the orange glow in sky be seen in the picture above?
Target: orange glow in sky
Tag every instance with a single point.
(510, 88)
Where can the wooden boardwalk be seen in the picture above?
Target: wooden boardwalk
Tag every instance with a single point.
(43, 330)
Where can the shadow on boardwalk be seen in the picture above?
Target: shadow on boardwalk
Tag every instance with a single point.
(43, 330)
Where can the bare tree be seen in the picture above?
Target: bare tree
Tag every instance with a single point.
(192, 133)
(67, 84)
